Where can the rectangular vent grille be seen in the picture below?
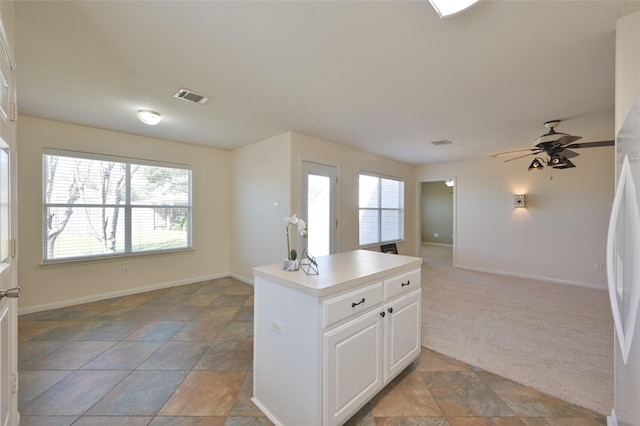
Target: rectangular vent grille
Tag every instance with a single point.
(442, 142)
(190, 96)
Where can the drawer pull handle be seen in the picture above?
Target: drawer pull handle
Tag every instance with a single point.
(404, 284)
(354, 304)
(382, 314)
(390, 310)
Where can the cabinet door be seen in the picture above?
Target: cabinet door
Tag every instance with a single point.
(402, 333)
(352, 366)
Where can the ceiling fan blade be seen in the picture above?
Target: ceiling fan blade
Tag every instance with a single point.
(511, 152)
(569, 154)
(567, 139)
(590, 144)
(522, 156)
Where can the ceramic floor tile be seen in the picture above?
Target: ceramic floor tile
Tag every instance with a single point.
(113, 420)
(29, 329)
(564, 421)
(243, 407)
(247, 421)
(485, 421)
(200, 331)
(405, 396)
(433, 361)
(221, 313)
(229, 300)
(237, 331)
(411, 421)
(69, 330)
(157, 331)
(71, 356)
(188, 421)
(462, 393)
(142, 393)
(528, 402)
(30, 351)
(205, 393)
(113, 330)
(75, 394)
(33, 383)
(47, 420)
(123, 356)
(244, 314)
(161, 333)
(227, 355)
(183, 313)
(175, 356)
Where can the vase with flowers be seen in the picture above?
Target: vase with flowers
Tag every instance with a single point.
(291, 263)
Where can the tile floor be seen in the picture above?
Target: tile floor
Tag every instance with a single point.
(183, 356)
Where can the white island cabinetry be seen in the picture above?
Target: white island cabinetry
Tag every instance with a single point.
(325, 344)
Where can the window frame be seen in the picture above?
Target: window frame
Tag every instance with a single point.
(380, 209)
(127, 207)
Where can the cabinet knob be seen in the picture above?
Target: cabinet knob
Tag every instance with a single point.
(390, 310)
(382, 314)
(404, 284)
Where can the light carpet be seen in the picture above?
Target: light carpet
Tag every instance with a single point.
(555, 338)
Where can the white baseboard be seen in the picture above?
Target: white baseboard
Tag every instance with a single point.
(437, 244)
(242, 278)
(534, 277)
(127, 292)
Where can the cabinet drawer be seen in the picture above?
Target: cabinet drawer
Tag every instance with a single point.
(401, 284)
(341, 307)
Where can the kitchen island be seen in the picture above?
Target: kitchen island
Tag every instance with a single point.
(325, 344)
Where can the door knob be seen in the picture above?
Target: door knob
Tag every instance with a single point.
(12, 292)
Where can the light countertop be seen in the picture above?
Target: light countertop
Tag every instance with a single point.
(341, 271)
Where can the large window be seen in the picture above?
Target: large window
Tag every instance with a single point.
(98, 206)
(381, 210)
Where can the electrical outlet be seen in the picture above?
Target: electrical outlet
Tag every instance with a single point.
(125, 270)
(487, 254)
(277, 326)
(598, 266)
(436, 235)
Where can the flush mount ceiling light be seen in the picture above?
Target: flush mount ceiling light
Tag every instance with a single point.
(450, 7)
(149, 117)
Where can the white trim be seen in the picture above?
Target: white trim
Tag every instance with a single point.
(245, 280)
(611, 420)
(425, 243)
(114, 158)
(535, 277)
(120, 293)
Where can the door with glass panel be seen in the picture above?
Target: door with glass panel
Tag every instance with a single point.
(9, 289)
(319, 208)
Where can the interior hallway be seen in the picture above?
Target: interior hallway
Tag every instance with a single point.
(183, 356)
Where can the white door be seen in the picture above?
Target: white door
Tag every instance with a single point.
(8, 227)
(319, 208)
(402, 333)
(352, 366)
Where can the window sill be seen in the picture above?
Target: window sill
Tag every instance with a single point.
(114, 258)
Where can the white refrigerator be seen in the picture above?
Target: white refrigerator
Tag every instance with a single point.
(623, 272)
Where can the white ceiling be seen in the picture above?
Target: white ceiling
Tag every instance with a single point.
(386, 77)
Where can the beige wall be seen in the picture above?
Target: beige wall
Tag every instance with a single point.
(69, 283)
(350, 163)
(436, 213)
(559, 237)
(260, 183)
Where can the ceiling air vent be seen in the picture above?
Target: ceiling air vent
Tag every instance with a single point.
(442, 142)
(190, 96)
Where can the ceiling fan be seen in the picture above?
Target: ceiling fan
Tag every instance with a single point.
(557, 147)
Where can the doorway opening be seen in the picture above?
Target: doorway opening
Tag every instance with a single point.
(437, 221)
